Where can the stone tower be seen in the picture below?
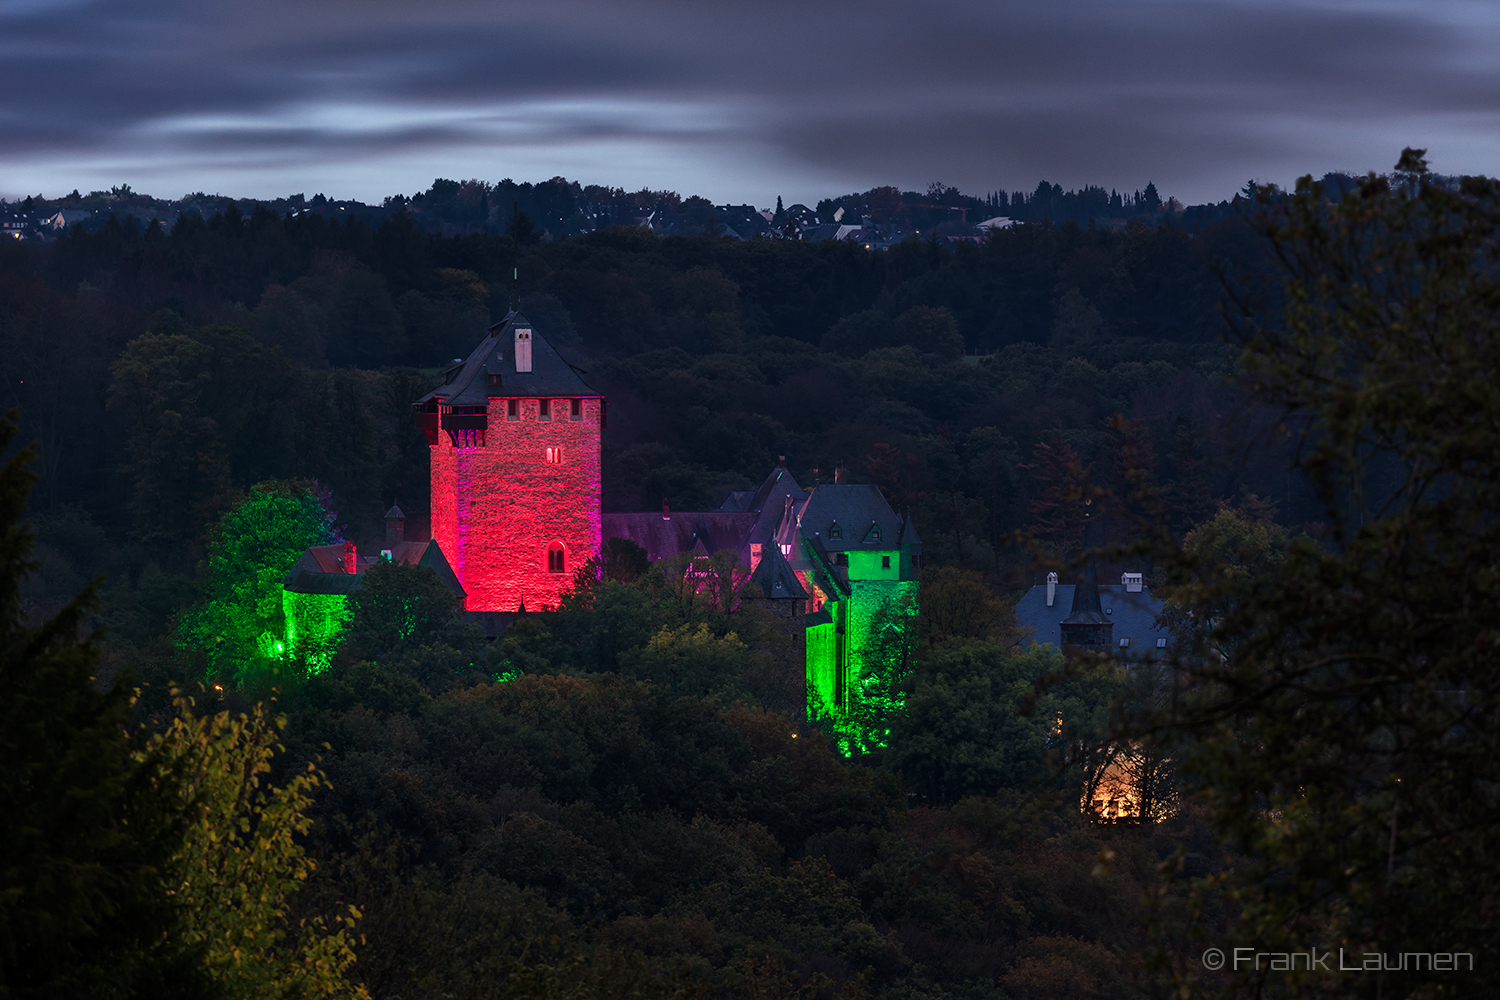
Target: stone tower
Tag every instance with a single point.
(514, 434)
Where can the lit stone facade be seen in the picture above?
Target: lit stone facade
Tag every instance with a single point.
(529, 489)
(514, 435)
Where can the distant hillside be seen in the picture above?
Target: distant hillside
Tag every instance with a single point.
(558, 207)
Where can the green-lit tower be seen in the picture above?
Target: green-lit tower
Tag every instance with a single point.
(855, 556)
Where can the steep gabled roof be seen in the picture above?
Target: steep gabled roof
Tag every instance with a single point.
(321, 570)
(774, 577)
(684, 531)
(468, 384)
(856, 508)
(1086, 609)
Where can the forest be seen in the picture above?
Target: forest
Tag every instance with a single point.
(623, 797)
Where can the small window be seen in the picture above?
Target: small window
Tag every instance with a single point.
(843, 559)
(1161, 642)
(1124, 643)
(544, 409)
(512, 409)
(554, 456)
(575, 409)
(834, 531)
(556, 559)
(885, 562)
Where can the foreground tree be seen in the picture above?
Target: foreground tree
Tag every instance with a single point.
(90, 825)
(1342, 719)
(243, 860)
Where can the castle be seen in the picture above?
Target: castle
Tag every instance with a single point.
(514, 435)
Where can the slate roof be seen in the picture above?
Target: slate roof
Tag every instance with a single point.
(685, 531)
(1086, 608)
(855, 508)
(468, 384)
(775, 578)
(738, 500)
(320, 570)
(747, 516)
(1132, 615)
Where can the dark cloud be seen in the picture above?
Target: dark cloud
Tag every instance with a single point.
(1198, 96)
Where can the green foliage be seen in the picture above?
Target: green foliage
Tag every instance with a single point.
(243, 860)
(406, 618)
(87, 836)
(958, 605)
(973, 724)
(689, 660)
(240, 624)
(1341, 725)
(886, 663)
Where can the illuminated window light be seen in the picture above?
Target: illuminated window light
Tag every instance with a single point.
(1161, 642)
(554, 456)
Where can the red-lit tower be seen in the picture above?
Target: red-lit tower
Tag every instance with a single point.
(513, 434)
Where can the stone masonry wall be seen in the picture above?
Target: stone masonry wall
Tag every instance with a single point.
(509, 503)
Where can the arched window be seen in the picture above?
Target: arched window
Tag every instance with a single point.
(556, 559)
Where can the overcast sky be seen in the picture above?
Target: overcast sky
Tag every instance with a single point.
(737, 102)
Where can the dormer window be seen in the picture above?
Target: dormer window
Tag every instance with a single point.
(544, 409)
(834, 531)
(873, 535)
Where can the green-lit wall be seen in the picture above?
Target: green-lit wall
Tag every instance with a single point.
(868, 565)
(313, 624)
(822, 671)
(836, 654)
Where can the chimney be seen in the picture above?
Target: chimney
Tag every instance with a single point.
(395, 526)
(523, 349)
(351, 559)
(1132, 582)
(838, 475)
(1051, 589)
(666, 510)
